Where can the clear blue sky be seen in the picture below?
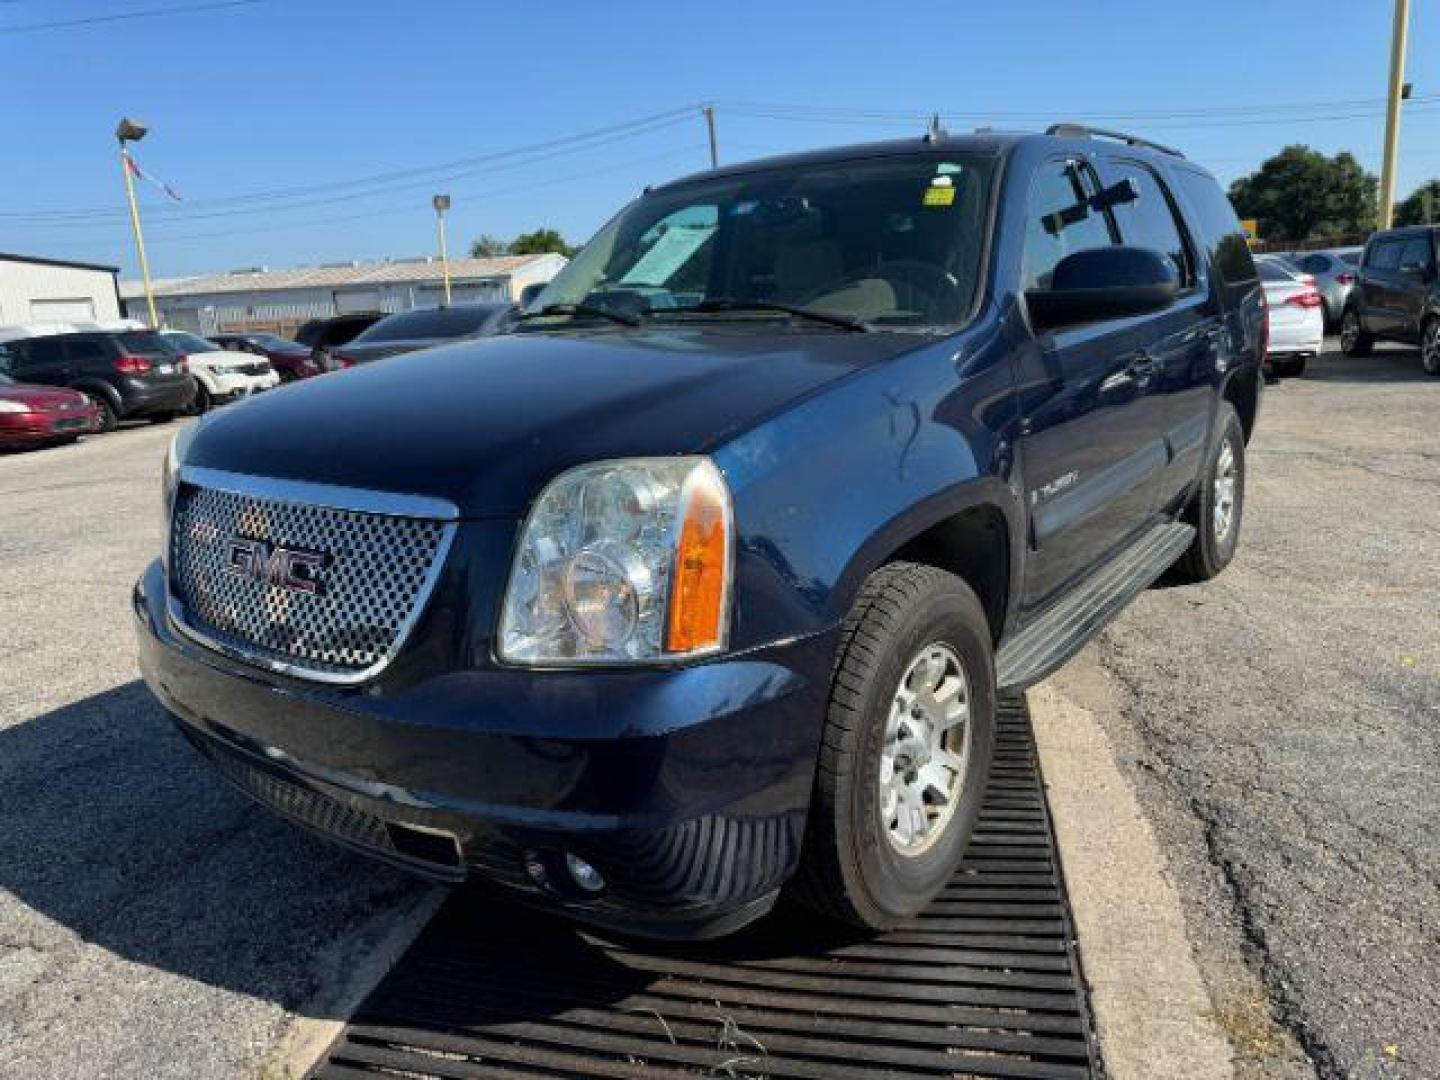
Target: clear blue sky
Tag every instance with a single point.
(288, 94)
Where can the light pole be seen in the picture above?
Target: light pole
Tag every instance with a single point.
(125, 132)
(442, 204)
(1392, 111)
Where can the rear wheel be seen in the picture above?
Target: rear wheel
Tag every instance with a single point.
(1430, 345)
(1354, 341)
(1291, 367)
(109, 419)
(907, 744)
(1216, 507)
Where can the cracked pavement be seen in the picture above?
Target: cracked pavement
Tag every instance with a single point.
(1282, 727)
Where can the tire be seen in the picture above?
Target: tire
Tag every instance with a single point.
(109, 419)
(1354, 341)
(1292, 367)
(202, 402)
(1430, 345)
(1212, 549)
(855, 867)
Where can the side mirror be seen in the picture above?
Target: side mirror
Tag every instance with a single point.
(1103, 283)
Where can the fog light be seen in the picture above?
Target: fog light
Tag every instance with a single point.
(536, 869)
(585, 875)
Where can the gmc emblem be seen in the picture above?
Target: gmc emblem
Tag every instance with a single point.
(289, 568)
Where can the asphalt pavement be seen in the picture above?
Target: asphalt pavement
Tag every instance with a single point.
(1282, 727)
(152, 923)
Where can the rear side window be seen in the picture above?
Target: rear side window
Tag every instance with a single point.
(1270, 271)
(1385, 255)
(1060, 220)
(83, 350)
(1415, 255)
(143, 343)
(1220, 232)
(1149, 221)
(1315, 264)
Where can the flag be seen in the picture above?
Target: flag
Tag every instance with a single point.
(135, 170)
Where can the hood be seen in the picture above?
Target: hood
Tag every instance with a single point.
(43, 398)
(485, 423)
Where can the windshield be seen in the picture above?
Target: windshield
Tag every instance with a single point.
(189, 343)
(430, 323)
(889, 241)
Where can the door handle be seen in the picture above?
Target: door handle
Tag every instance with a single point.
(1143, 366)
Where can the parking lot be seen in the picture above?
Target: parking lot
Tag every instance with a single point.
(1279, 728)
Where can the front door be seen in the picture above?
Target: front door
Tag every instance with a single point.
(1092, 431)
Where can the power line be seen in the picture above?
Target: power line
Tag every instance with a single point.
(122, 16)
(380, 182)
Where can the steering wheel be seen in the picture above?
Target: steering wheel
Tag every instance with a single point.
(929, 281)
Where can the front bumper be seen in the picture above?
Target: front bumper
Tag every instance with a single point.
(686, 788)
(235, 387)
(141, 399)
(38, 428)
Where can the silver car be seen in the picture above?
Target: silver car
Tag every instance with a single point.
(1334, 270)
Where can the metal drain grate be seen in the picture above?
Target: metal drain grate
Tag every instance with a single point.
(984, 983)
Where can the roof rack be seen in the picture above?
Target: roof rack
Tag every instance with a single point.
(1081, 131)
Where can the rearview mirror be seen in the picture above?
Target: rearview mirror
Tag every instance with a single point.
(1103, 283)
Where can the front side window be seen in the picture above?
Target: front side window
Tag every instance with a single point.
(1060, 220)
(87, 349)
(1385, 255)
(893, 242)
(429, 323)
(1149, 221)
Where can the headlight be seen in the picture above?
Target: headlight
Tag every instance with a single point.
(622, 562)
(174, 459)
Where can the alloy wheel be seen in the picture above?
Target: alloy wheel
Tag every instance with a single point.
(1430, 347)
(1222, 514)
(926, 750)
(1349, 331)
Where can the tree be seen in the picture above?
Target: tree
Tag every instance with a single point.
(1300, 194)
(1421, 206)
(540, 242)
(487, 247)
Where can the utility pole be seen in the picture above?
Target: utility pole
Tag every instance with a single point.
(710, 126)
(441, 204)
(1392, 111)
(133, 131)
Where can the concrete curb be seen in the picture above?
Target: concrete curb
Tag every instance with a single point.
(356, 967)
(1151, 1008)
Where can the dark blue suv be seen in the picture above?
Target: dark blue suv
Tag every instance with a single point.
(701, 583)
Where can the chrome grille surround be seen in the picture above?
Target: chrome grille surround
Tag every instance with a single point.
(386, 552)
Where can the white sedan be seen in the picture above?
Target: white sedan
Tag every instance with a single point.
(220, 376)
(1296, 317)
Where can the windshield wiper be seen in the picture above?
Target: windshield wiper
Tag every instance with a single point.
(735, 303)
(623, 318)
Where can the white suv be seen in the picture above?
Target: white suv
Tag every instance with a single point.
(220, 376)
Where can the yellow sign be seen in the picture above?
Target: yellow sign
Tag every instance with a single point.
(939, 196)
(1251, 227)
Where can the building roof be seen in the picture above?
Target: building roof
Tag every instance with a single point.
(386, 272)
(40, 260)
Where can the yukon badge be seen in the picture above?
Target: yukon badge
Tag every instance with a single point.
(290, 568)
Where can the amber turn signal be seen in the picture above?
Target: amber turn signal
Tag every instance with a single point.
(700, 588)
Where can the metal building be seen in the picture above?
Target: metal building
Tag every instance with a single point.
(281, 300)
(35, 289)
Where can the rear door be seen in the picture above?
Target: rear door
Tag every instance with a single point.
(1093, 424)
(1378, 280)
(1181, 338)
(1413, 276)
(43, 360)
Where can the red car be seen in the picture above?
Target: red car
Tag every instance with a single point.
(33, 415)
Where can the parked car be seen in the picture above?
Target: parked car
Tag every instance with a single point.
(1398, 295)
(1296, 322)
(1334, 274)
(323, 336)
(410, 331)
(220, 375)
(290, 359)
(647, 611)
(126, 373)
(38, 415)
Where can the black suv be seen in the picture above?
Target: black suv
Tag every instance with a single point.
(127, 373)
(1397, 296)
(323, 336)
(704, 580)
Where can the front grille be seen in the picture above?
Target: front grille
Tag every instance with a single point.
(378, 572)
(260, 367)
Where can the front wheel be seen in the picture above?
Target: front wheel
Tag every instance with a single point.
(1216, 507)
(1354, 341)
(1292, 367)
(1430, 345)
(908, 739)
(202, 402)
